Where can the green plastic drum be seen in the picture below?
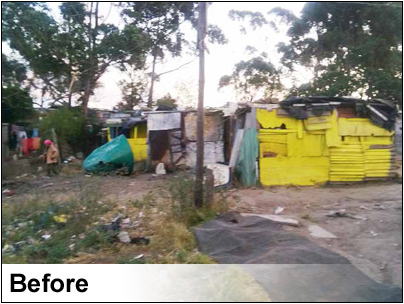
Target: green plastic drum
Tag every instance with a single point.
(112, 156)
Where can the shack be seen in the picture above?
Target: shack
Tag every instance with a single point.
(214, 150)
(135, 131)
(308, 141)
(165, 138)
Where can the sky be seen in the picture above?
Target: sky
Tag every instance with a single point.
(183, 83)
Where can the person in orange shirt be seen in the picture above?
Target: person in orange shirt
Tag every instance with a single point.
(51, 157)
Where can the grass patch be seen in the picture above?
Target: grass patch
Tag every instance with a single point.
(78, 233)
(69, 225)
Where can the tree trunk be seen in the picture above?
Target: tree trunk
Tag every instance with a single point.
(150, 98)
(86, 98)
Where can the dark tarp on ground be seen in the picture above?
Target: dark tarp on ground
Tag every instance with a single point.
(255, 240)
(287, 265)
(381, 112)
(112, 156)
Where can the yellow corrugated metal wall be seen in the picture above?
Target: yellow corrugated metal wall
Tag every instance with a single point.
(320, 149)
(137, 141)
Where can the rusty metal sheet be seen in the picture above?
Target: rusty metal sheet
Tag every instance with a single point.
(163, 121)
(213, 127)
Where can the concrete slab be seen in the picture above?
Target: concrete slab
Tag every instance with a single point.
(317, 231)
(281, 219)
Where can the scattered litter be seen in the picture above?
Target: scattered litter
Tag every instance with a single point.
(7, 248)
(140, 241)
(82, 236)
(139, 256)
(124, 237)
(357, 217)
(141, 214)
(279, 210)
(71, 246)
(17, 246)
(160, 170)
(39, 169)
(60, 218)
(80, 155)
(379, 207)
(87, 175)
(31, 240)
(343, 213)
(8, 192)
(125, 223)
(320, 232)
(46, 236)
(372, 233)
(337, 213)
(46, 185)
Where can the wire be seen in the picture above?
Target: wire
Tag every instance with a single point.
(371, 4)
(109, 11)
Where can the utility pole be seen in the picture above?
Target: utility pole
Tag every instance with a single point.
(202, 25)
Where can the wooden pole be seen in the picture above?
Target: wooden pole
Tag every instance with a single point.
(202, 24)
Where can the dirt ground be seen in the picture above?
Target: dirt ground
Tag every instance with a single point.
(373, 244)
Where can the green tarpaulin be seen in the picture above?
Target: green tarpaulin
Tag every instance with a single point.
(114, 155)
(245, 168)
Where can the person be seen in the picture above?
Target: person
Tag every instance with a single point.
(51, 157)
(21, 135)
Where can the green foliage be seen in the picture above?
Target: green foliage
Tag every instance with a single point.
(68, 125)
(72, 54)
(252, 77)
(161, 22)
(180, 193)
(167, 101)
(12, 72)
(16, 104)
(256, 19)
(132, 91)
(358, 48)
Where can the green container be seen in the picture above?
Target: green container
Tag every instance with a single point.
(112, 156)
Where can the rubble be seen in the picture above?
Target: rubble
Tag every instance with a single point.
(279, 210)
(343, 213)
(320, 232)
(280, 219)
(123, 236)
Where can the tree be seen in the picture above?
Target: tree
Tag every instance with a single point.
(254, 77)
(161, 21)
(166, 101)
(70, 57)
(16, 104)
(68, 125)
(356, 48)
(30, 30)
(132, 90)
